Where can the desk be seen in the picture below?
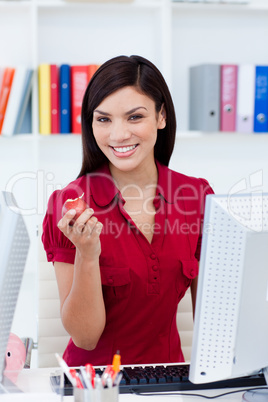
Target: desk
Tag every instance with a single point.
(35, 383)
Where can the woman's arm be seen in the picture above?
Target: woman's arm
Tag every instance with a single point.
(80, 291)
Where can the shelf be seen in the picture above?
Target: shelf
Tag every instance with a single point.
(15, 4)
(221, 134)
(219, 7)
(17, 137)
(56, 139)
(97, 5)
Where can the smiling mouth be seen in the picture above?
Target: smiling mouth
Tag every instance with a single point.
(125, 149)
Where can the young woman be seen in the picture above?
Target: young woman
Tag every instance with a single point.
(125, 264)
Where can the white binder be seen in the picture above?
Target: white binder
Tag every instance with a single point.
(245, 98)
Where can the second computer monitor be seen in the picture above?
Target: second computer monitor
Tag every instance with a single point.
(230, 336)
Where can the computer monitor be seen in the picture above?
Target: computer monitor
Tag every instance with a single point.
(14, 245)
(230, 337)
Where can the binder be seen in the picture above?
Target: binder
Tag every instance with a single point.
(8, 76)
(204, 108)
(228, 97)
(54, 92)
(79, 82)
(25, 107)
(18, 99)
(245, 98)
(1, 77)
(44, 99)
(65, 99)
(26, 123)
(92, 68)
(261, 100)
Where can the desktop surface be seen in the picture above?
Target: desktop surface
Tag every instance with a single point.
(35, 384)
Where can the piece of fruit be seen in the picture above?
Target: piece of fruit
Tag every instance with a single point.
(78, 204)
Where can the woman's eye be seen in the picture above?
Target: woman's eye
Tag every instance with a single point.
(135, 117)
(103, 119)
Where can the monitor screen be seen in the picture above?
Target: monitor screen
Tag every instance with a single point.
(230, 337)
(14, 245)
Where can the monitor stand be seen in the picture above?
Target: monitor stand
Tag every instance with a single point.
(257, 395)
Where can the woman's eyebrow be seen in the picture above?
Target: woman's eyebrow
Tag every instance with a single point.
(127, 113)
(135, 109)
(101, 112)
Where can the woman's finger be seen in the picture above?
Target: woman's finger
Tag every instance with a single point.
(84, 217)
(64, 223)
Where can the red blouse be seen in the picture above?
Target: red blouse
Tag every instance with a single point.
(142, 283)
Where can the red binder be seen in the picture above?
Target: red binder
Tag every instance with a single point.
(5, 91)
(79, 82)
(55, 104)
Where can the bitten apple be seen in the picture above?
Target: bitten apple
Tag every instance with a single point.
(78, 204)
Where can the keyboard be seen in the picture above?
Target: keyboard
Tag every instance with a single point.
(166, 378)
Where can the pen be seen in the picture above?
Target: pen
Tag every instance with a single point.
(85, 378)
(98, 384)
(76, 377)
(90, 371)
(118, 378)
(107, 376)
(65, 369)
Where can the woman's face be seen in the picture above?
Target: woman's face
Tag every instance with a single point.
(125, 127)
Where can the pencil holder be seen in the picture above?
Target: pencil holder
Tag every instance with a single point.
(96, 395)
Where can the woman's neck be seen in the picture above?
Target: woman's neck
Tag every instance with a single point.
(135, 180)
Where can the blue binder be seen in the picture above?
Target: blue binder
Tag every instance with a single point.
(65, 99)
(261, 100)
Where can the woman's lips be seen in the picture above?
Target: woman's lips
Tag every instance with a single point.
(123, 152)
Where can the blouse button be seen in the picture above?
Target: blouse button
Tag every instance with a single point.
(155, 268)
(153, 256)
(110, 281)
(50, 256)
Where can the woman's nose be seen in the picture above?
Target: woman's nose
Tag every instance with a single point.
(119, 132)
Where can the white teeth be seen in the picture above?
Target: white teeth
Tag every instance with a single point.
(124, 149)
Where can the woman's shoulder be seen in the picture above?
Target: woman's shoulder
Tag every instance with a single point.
(181, 181)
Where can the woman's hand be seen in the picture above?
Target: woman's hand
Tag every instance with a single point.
(82, 305)
(84, 234)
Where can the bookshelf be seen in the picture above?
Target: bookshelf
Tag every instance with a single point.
(174, 36)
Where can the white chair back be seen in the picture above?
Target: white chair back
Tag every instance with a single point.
(185, 324)
(52, 337)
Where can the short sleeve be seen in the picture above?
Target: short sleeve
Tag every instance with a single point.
(57, 246)
(205, 190)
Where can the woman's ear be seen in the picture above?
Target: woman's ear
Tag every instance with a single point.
(162, 117)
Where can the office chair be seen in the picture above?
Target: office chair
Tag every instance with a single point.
(52, 337)
(185, 324)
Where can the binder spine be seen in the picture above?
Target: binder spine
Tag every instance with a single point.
(65, 99)
(204, 105)
(228, 97)
(245, 98)
(261, 100)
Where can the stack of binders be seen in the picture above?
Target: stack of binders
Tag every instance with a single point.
(229, 98)
(61, 90)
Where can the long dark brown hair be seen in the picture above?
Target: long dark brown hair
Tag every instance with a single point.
(114, 74)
